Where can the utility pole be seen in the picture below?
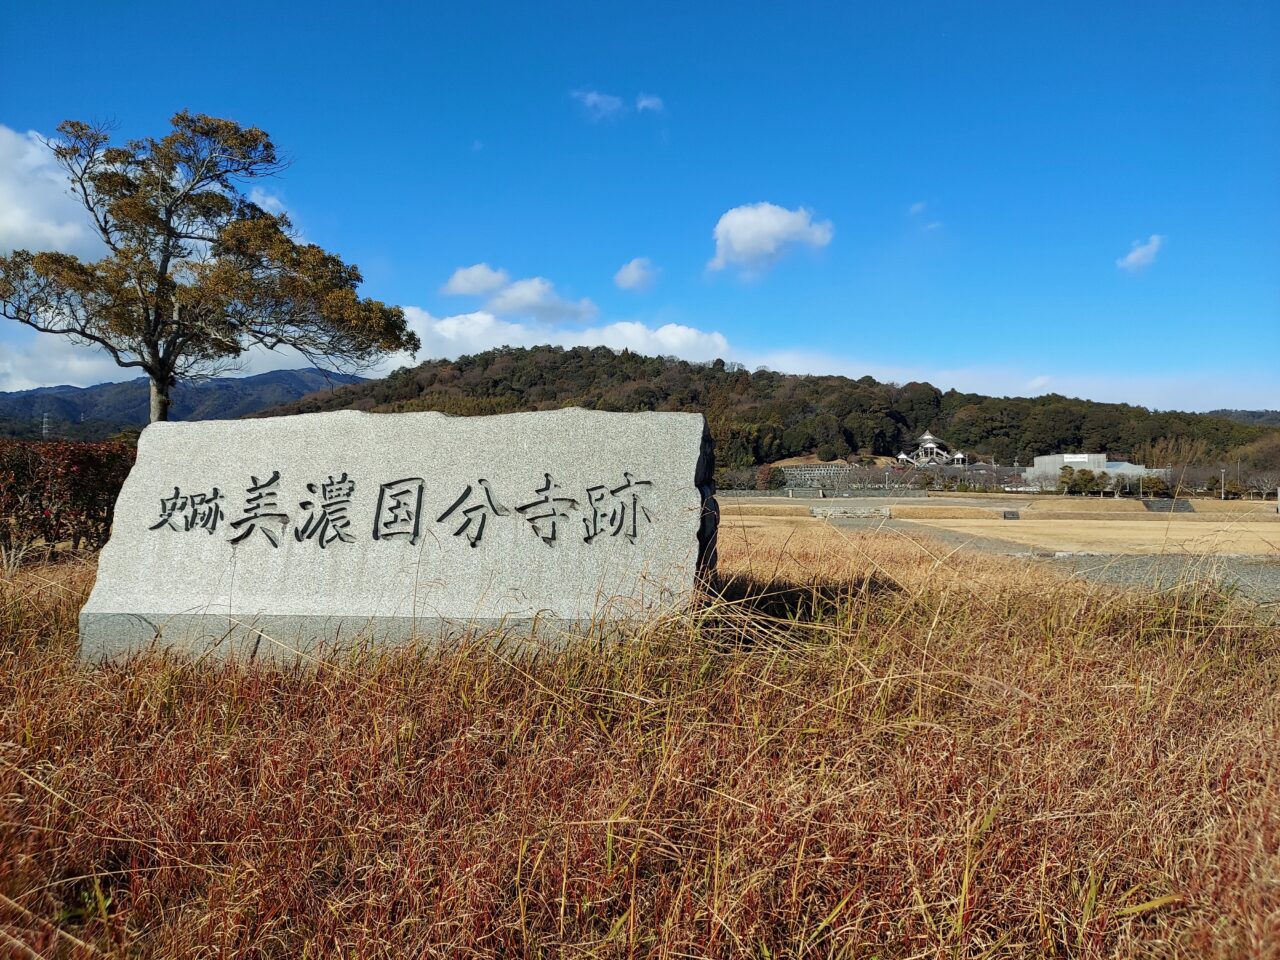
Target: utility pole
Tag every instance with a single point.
(1224, 483)
(44, 426)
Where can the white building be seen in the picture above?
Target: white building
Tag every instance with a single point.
(1047, 470)
(931, 452)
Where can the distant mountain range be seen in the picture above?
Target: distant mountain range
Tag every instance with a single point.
(93, 413)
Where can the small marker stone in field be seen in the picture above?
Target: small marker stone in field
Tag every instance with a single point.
(284, 535)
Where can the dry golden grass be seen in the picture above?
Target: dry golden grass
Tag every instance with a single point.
(862, 747)
(942, 513)
(731, 508)
(1105, 505)
(1243, 509)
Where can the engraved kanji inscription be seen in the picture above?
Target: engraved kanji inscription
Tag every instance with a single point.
(544, 513)
(617, 510)
(475, 516)
(327, 519)
(399, 512)
(262, 511)
(190, 511)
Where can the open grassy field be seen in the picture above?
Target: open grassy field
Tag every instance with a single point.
(860, 747)
(1256, 509)
(731, 509)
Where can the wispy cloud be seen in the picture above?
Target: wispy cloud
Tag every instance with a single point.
(754, 236)
(1142, 255)
(599, 106)
(916, 210)
(636, 275)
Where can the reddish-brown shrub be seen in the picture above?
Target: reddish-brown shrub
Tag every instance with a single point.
(58, 491)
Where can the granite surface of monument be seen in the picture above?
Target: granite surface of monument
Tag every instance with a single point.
(282, 536)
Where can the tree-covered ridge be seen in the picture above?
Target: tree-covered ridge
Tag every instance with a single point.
(765, 416)
(1266, 418)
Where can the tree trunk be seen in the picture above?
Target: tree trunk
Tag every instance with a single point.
(159, 400)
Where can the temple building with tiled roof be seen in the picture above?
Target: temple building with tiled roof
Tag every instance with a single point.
(932, 452)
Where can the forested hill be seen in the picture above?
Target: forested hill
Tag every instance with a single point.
(763, 416)
(93, 413)
(1265, 418)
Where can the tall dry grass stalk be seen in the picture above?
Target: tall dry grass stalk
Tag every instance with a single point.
(862, 747)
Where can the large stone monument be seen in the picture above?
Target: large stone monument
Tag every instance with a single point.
(276, 537)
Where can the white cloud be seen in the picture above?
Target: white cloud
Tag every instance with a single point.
(478, 278)
(756, 235)
(599, 106)
(647, 101)
(266, 200)
(916, 208)
(675, 339)
(37, 211)
(29, 359)
(536, 297)
(531, 297)
(638, 275)
(44, 360)
(1143, 254)
(466, 333)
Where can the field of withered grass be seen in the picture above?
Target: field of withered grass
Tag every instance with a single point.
(860, 747)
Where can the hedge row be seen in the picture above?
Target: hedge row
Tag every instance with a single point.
(56, 492)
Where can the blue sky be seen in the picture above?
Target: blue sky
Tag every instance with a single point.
(1009, 198)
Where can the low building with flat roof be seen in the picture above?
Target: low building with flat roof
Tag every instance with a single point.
(1047, 470)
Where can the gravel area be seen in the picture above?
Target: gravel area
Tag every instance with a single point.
(1253, 577)
(1257, 579)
